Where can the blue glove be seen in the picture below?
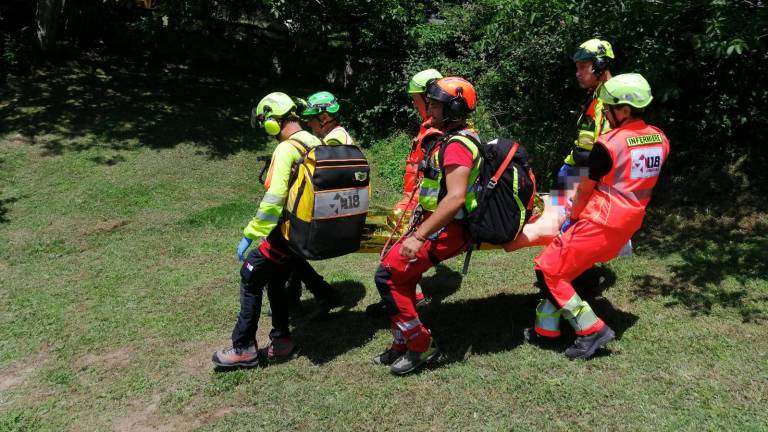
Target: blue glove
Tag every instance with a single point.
(242, 247)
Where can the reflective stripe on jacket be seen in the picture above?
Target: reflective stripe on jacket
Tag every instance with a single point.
(638, 152)
(432, 184)
(276, 185)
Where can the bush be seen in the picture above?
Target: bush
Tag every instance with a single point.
(387, 157)
(701, 59)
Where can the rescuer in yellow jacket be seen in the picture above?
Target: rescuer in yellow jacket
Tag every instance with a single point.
(593, 60)
(272, 261)
(321, 114)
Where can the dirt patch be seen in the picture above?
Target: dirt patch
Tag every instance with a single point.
(108, 225)
(144, 416)
(225, 411)
(18, 374)
(147, 418)
(109, 360)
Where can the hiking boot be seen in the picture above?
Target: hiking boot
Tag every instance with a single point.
(236, 357)
(280, 349)
(412, 360)
(585, 346)
(387, 357)
(533, 338)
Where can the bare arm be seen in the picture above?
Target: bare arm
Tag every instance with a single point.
(456, 178)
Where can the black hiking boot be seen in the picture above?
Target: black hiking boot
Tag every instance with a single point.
(585, 346)
(387, 357)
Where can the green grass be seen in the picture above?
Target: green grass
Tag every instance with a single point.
(119, 279)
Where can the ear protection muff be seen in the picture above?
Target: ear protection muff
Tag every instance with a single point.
(600, 62)
(271, 126)
(457, 106)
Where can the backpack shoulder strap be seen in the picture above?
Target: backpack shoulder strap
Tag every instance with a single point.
(445, 139)
(500, 171)
(303, 149)
(300, 146)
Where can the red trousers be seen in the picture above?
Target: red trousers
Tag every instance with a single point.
(571, 253)
(397, 277)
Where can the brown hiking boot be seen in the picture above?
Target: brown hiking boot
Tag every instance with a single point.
(280, 349)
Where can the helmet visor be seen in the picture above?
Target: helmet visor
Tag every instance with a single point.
(255, 119)
(436, 93)
(583, 54)
(316, 109)
(420, 104)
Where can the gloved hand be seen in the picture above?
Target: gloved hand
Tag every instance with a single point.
(242, 247)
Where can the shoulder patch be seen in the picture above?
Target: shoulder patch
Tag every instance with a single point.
(644, 140)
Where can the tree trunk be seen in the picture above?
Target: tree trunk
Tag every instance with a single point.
(46, 23)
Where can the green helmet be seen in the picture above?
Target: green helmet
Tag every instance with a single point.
(626, 89)
(270, 109)
(418, 83)
(321, 102)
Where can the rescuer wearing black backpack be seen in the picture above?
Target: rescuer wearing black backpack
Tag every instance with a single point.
(446, 196)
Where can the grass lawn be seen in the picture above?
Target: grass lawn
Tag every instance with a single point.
(122, 197)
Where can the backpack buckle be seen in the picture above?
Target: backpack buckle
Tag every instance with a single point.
(491, 184)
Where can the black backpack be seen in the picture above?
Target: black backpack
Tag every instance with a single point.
(505, 193)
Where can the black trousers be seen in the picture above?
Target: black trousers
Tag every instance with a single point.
(257, 272)
(303, 272)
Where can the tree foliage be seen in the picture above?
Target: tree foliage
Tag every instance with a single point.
(703, 59)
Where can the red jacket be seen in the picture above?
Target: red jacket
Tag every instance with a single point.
(638, 151)
(411, 176)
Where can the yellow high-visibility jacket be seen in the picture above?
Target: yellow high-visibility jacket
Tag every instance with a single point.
(276, 185)
(338, 136)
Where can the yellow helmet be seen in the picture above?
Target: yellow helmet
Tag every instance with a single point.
(270, 110)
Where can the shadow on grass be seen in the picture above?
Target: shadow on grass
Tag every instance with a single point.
(495, 324)
(723, 261)
(119, 105)
(4, 209)
(476, 326)
(343, 330)
(322, 340)
(443, 284)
